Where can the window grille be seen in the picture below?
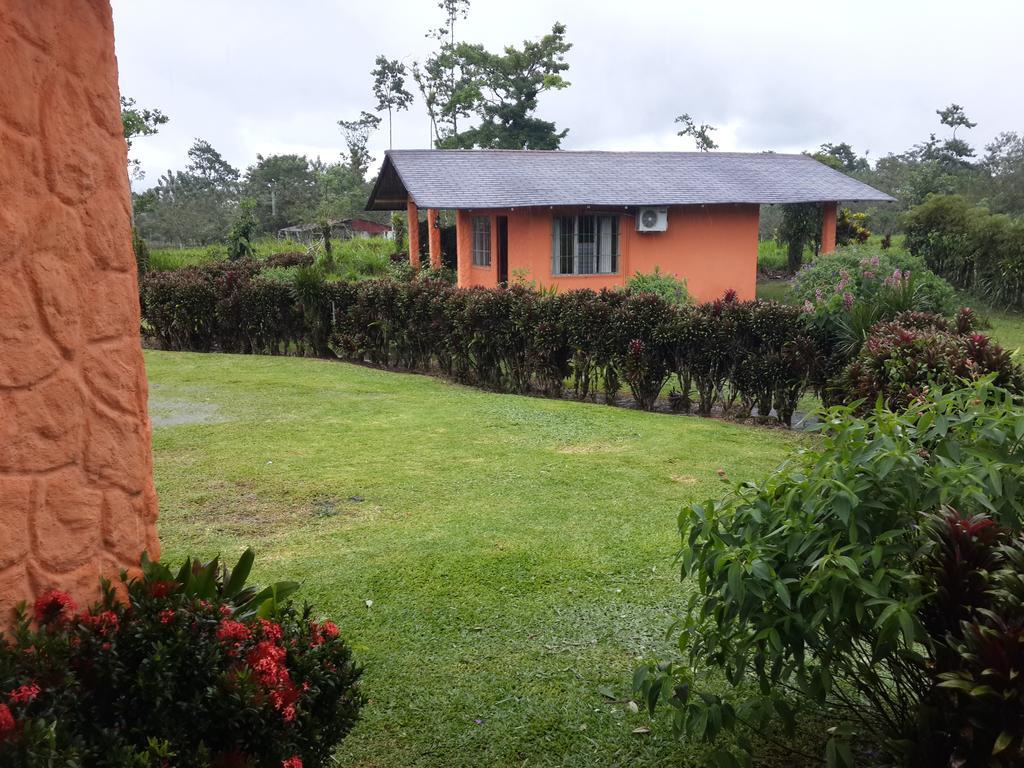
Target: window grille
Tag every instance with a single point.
(481, 241)
(585, 245)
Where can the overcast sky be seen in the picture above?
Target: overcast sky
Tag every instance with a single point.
(275, 76)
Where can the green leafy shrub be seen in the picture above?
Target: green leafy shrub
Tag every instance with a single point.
(667, 286)
(827, 593)
(916, 353)
(851, 227)
(978, 251)
(192, 669)
(240, 237)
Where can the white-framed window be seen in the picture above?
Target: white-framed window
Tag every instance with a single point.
(481, 241)
(585, 245)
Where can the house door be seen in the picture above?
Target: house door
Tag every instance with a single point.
(502, 249)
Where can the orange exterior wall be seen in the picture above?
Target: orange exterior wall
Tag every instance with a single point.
(76, 490)
(713, 248)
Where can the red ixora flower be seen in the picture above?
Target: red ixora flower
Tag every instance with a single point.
(54, 605)
(231, 631)
(166, 616)
(23, 694)
(162, 588)
(7, 722)
(271, 630)
(102, 623)
(292, 762)
(322, 631)
(267, 662)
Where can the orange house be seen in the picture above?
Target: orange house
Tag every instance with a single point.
(594, 219)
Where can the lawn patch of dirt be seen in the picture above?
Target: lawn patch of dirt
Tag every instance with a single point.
(175, 412)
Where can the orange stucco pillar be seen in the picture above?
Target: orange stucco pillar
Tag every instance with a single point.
(434, 235)
(828, 227)
(414, 233)
(76, 489)
(463, 248)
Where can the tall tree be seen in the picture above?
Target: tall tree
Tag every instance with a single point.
(701, 134)
(438, 76)
(208, 166)
(138, 121)
(194, 206)
(842, 157)
(503, 89)
(284, 188)
(357, 136)
(389, 89)
(1004, 162)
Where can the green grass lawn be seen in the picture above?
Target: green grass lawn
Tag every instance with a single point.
(518, 552)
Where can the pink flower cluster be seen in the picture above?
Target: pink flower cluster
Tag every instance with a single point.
(897, 277)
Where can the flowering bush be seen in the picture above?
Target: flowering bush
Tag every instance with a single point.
(836, 280)
(845, 294)
(192, 670)
(903, 360)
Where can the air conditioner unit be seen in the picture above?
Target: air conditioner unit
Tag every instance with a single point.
(652, 220)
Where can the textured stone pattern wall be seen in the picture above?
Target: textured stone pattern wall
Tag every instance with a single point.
(76, 489)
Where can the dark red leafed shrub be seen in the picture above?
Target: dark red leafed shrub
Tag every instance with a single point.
(975, 714)
(193, 670)
(902, 360)
(643, 331)
(512, 339)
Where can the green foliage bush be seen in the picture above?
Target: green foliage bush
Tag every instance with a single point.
(663, 284)
(513, 339)
(978, 251)
(855, 590)
(192, 669)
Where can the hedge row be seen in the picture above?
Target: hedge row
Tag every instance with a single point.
(737, 355)
(975, 250)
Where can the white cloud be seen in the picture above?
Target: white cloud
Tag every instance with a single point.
(268, 76)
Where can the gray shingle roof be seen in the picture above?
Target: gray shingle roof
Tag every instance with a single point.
(519, 178)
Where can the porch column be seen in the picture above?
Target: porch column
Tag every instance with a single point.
(828, 227)
(464, 248)
(414, 233)
(434, 235)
